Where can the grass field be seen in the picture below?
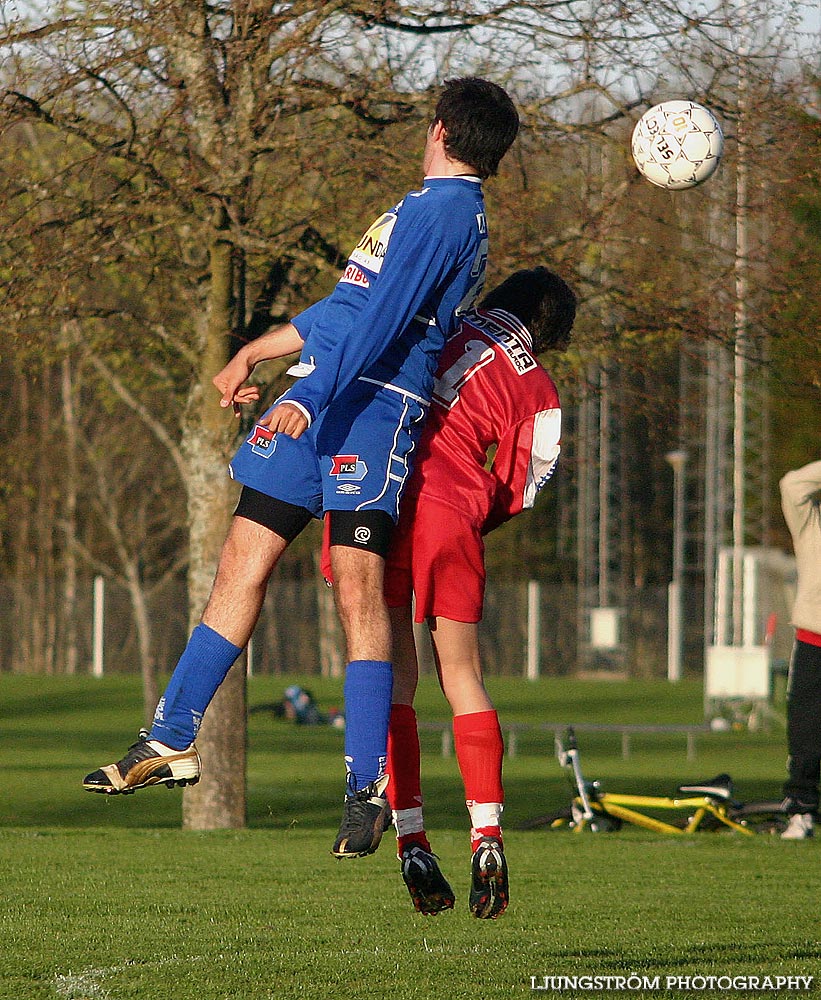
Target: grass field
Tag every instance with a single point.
(107, 899)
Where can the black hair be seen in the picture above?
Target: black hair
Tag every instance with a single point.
(480, 122)
(543, 301)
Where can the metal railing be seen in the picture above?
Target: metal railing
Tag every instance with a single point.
(626, 731)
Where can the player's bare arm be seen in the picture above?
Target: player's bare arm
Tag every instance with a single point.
(276, 343)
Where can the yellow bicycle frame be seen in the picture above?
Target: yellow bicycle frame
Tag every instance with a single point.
(590, 799)
(625, 808)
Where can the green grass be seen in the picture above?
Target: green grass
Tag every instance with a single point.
(107, 899)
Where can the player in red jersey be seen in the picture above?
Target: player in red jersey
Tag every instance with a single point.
(491, 392)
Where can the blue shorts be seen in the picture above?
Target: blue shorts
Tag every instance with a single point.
(357, 455)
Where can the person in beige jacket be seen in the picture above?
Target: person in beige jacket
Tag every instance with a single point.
(801, 503)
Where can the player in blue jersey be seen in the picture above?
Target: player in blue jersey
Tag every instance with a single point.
(341, 440)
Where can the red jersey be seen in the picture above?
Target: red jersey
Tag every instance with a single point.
(490, 392)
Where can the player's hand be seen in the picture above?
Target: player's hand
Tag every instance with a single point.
(229, 383)
(241, 397)
(285, 418)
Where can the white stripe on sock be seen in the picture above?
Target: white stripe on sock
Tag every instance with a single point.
(408, 821)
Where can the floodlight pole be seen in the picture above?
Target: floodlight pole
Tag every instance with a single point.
(677, 460)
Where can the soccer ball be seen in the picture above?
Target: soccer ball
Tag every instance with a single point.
(677, 144)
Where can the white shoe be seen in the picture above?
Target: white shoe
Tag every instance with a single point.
(800, 827)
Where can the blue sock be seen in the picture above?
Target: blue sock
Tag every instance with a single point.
(368, 690)
(199, 672)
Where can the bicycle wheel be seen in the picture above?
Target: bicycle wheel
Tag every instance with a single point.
(762, 817)
(553, 820)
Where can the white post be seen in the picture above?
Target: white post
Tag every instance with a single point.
(534, 630)
(674, 632)
(98, 627)
(249, 658)
(677, 460)
(750, 603)
(722, 603)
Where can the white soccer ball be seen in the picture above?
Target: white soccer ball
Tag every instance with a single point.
(677, 144)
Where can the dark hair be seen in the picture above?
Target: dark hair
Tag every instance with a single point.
(480, 122)
(544, 303)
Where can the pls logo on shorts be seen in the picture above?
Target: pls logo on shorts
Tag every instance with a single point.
(348, 468)
(263, 442)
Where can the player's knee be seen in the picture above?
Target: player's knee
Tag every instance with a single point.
(358, 587)
(359, 541)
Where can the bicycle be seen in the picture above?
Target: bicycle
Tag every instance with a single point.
(707, 805)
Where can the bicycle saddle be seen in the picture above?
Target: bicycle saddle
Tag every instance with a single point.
(720, 787)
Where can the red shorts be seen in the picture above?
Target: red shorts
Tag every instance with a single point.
(437, 554)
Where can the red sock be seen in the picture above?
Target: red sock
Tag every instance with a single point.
(477, 739)
(420, 838)
(405, 787)
(477, 832)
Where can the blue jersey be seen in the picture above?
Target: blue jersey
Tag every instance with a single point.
(370, 355)
(407, 282)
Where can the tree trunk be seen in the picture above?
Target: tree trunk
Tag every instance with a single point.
(69, 652)
(331, 641)
(218, 801)
(45, 624)
(20, 531)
